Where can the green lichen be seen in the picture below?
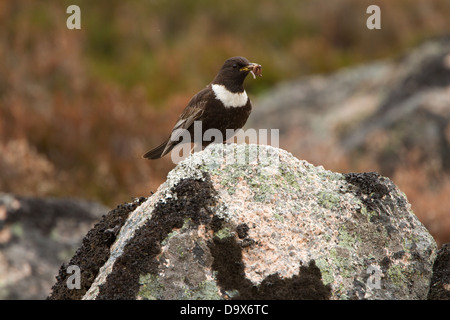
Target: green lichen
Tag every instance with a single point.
(151, 288)
(410, 242)
(343, 297)
(342, 262)
(326, 270)
(263, 185)
(17, 229)
(229, 176)
(54, 235)
(348, 239)
(278, 217)
(180, 250)
(186, 225)
(206, 290)
(397, 275)
(328, 200)
(290, 178)
(223, 233)
(263, 192)
(170, 235)
(371, 214)
(329, 175)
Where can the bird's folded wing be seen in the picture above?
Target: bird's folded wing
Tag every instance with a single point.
(187, 118)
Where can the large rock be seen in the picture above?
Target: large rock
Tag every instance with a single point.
(440, 282)
(279, 228)
(413, 115)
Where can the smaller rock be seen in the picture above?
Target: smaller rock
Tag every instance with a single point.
(36, 235)
(440, 281)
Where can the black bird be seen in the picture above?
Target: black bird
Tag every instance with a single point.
(222, 105)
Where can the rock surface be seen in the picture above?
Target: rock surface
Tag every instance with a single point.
(276, 228)
(36, 236)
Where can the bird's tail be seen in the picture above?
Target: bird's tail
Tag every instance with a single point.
(160, 151)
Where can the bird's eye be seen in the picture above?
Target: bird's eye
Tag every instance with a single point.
(235, 65)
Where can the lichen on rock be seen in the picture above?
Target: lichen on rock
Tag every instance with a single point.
(274, 229)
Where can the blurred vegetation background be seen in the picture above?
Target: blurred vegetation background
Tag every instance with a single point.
(78, 108)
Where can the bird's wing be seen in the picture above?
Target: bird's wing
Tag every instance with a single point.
(186, 119)
(192, 112)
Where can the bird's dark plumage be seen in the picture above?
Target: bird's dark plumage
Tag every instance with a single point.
(222, 105)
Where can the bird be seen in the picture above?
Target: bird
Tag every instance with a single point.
(223, 104)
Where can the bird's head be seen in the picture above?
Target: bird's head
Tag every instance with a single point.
(234, 70)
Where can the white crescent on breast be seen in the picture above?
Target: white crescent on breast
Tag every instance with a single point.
(228, 98)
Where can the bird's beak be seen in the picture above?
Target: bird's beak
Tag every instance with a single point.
(254, 68)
